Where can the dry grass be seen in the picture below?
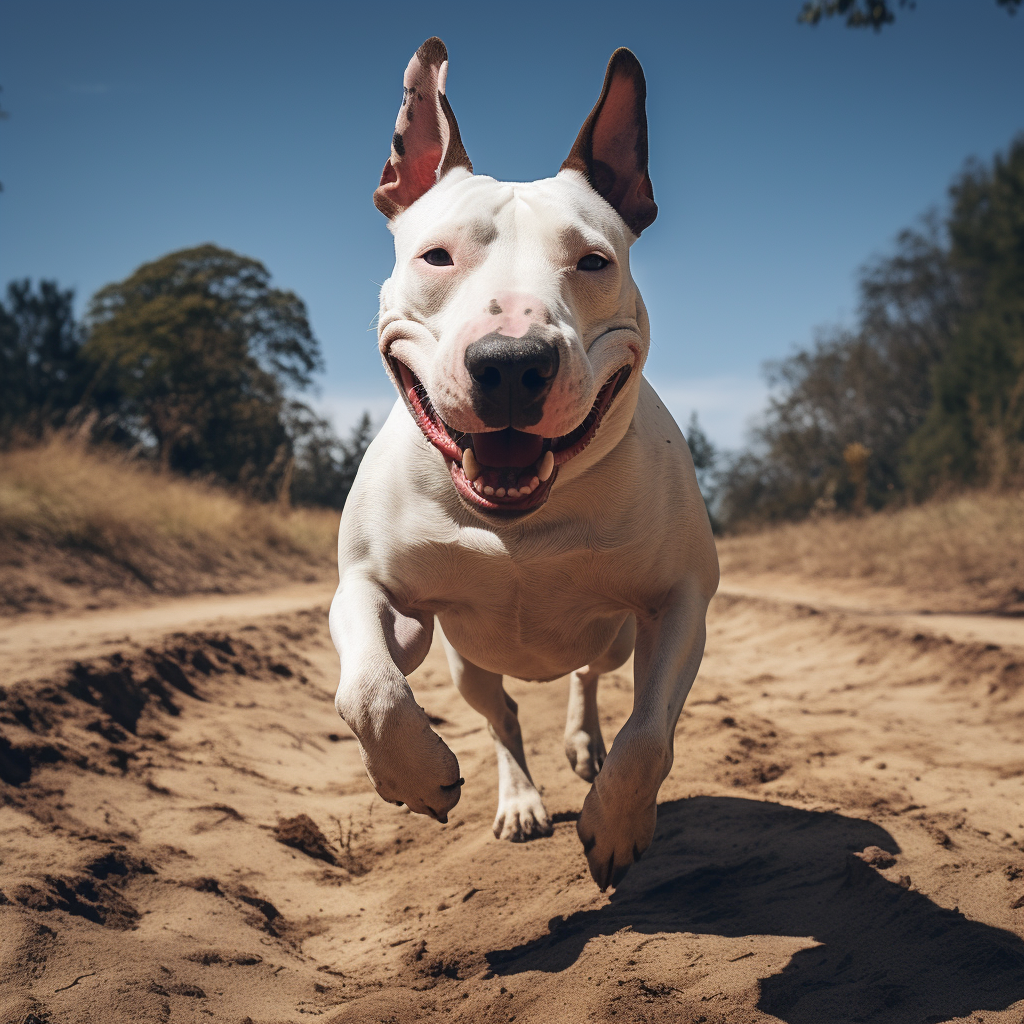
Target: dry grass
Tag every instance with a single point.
(75, 519)
(78, 526)
(958, 552)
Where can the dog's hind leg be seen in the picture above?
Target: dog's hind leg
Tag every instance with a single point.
(584, 745)
(521, 814)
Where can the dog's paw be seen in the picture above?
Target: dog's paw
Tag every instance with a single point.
(410, 764)
(585, 752)
(614, 838)
(522, 817)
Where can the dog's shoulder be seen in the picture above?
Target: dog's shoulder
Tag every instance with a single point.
(674, 508)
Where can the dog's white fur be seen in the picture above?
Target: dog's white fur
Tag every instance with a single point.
(620, 556)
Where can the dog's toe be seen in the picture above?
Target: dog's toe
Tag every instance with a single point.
(522, 819)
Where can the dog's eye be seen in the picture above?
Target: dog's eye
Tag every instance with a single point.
(592, 261)
(439, 258)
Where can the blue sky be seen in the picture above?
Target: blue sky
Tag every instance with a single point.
(782, 156)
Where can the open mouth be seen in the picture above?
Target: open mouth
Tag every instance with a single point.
(506, 471)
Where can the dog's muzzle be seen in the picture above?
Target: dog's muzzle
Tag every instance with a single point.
(505, 471)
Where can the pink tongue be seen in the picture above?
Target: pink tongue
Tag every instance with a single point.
(507, 447)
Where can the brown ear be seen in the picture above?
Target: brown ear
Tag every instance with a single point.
(426, 144)
(611, 148)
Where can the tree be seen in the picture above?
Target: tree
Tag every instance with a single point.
(867, 13)
(325, 466)
(926, 391)
(42, 373)
(871, 386)
(705, 463)
(974, 430)
(703, 453)
(194, 360)
(202, 353)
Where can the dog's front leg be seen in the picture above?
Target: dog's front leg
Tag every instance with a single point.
(407, 762)
(620, 812)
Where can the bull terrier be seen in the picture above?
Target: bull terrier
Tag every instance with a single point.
(529, 496)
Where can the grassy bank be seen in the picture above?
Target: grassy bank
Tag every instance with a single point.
(79, 526)
(963, 552)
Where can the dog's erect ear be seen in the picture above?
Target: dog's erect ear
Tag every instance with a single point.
(426, 144)
(611, 148)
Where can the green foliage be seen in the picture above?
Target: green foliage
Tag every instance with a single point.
(325, 465)
(193, 361)
(858, 13)
(42, 374)
(702, 451)
(705, 462)
(930, 383)
(201, 352)
(974, 432)
(867, 13)
(869, 386)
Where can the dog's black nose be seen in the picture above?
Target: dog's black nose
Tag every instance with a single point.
(511, 378)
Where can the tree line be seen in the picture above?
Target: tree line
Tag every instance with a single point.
(868, 13)
(924, 393)
(194, 362)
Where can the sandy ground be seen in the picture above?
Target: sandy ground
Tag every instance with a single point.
(840, 839)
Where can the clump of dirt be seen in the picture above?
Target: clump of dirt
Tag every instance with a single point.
(301, 833)
(265, 916)
(876, 857)
(749, 757)
(77, 895)
(118, 863)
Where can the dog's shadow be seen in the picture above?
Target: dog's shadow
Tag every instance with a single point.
(733, 867)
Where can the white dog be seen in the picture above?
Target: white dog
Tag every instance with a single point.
(529, 493)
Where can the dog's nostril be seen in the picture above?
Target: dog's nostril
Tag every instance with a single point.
(488, 378)
(541, 368)
(534, 380)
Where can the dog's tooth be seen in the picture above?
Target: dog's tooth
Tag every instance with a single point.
(488, 490)
(534, 484)
(525, 489)
(500, 492)
(513, 492)
(547, 465)
(469, 464)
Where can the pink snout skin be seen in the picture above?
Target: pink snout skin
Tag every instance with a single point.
(508, 313)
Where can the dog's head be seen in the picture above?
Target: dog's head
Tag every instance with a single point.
(511, 324)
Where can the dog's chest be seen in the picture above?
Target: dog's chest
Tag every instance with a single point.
(536, 609)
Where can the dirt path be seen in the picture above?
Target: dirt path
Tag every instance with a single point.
(840, 839)
(30, 642)
(881, 606)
